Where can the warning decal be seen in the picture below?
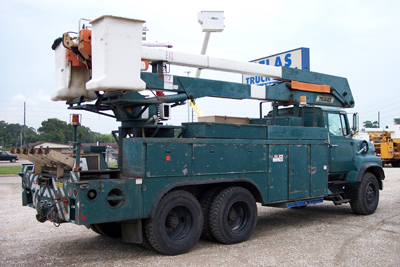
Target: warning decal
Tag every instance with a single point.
(277, 158)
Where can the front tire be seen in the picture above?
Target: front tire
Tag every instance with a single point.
(366, 195)
(177, 223)
(233, 215)
(13, 160)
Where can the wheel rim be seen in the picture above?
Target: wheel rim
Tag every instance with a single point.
(238, 217)
(178, 223)
(370, 194)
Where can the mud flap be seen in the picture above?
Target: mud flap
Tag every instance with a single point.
(132, 231)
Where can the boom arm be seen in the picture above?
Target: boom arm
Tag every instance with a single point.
(115, 65)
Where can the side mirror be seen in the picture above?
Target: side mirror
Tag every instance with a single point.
(355, 122)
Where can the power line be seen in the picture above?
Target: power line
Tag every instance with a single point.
(380, 108)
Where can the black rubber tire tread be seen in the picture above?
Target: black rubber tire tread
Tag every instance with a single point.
(145, 243)
(219, 215)
(94, 229)
(205, 203)
(396, 163)
(111, 229)
(360, 204)
(156, 229)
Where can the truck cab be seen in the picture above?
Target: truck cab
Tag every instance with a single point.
(347, 155)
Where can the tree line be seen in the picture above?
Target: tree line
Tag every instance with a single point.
(52, 130)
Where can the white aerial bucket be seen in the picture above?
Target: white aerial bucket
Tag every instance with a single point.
(116, 54)
(70, 81)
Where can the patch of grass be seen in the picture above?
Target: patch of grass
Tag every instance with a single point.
(10, 169)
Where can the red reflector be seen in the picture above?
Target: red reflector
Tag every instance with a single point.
(168, 158)
(83, 218)
(76, 218)
(24, 201)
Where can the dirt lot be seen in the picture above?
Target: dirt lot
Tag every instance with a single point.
(320, 235)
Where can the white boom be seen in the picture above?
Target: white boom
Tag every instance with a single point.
(117, 51)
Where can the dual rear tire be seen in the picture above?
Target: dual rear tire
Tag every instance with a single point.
(232, 215)
(179, 221)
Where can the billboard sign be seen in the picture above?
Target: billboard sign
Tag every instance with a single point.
(297, 58)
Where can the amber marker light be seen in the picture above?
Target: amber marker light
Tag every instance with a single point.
(303, 100)
(76, 119)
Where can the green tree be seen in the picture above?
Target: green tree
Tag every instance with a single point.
(8, 140)
(370, 124)
(52, 130)
(55, 130)
(104, 138)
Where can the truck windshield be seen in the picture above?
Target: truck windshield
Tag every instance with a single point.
(337, 124)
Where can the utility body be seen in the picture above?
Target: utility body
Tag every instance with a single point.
(175, 184)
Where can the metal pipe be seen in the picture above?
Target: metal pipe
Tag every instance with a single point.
(157, 44)
(207, 62)
(203, 50)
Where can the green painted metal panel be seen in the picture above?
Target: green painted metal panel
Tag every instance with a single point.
(223, 130)
(279, 121)
(278, 173)
(294, 132)
(319, 170)
(228, 158)
(341, 154)
(167, 159)
(129, 207)
(299, 174)
(339, 86)
(134, 155)
(341, 94)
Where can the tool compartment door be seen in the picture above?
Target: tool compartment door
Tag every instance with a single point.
(319, 170)
(299, 174)
(297, 171)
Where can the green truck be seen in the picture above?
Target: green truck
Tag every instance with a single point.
(175, 184)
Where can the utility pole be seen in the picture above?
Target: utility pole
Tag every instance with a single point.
(24, 122)
(379, 119)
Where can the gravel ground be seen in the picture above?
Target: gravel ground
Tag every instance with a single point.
(320, 235)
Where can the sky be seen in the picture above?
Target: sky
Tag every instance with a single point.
(358, 40)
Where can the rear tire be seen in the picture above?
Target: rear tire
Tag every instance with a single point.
(366, 195)
(233, 215)
(205, 203)
(177, 223)
(94, 229)
(112, 229)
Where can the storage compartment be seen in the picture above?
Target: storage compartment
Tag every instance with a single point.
(223, 130)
